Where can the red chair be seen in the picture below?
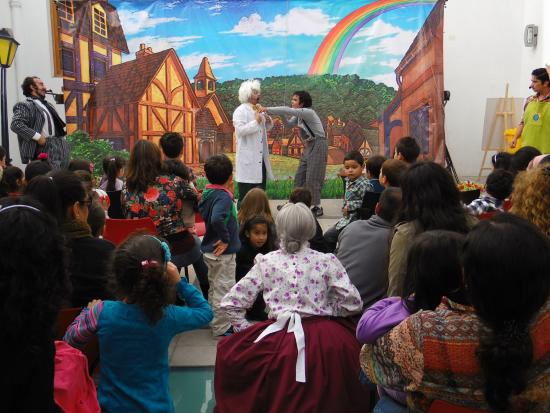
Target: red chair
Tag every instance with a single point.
(200, 226)
(117, 230)
(440, 406)
(487, 215)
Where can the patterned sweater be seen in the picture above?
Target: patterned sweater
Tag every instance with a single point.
(432, 355)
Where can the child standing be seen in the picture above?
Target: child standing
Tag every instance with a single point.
(113, 171)
(356, 186)
(257, 237)
(221, 240)
(134, 333)
(498, 187)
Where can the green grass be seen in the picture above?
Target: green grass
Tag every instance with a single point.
(284, 169)
(281, 189)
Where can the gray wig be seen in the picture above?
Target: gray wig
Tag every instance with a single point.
(245, 91)
(295, 226)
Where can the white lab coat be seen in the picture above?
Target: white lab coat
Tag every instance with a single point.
(251, 145)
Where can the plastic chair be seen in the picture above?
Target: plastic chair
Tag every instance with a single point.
(440, 406)
(118, 230)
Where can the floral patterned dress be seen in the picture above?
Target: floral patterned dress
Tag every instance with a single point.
(163, 202)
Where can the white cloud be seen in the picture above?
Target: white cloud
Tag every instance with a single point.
(160, 43)
(298, 21)
(216, 7)
(387, 78)
(386, 38)
(351, 61)
(379, 28)
(216, 60)
(135, 21)
(264, 64)
(171, 4)
(393, 63)
(396, 45)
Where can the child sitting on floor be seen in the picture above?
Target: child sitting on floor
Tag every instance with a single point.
(373, 166)
(498, 187)
(12, 182)
(356, 186)
(257, 237)
(134, 333)
(391, 172)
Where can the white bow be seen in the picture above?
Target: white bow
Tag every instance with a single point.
(294, 326)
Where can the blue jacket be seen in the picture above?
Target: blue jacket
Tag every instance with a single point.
(220, 217)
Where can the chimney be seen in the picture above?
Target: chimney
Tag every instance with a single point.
(143, 51)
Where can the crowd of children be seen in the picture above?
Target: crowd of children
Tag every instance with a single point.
(412, 275)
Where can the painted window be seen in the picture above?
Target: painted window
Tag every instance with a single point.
(200, 85)
(419, 127)
(99, 20)
(100, 67)
(65, 10)
(67, 61)
(210, 86)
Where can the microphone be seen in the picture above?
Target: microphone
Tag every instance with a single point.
(58, 97)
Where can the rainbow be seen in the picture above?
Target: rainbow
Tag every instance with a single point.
(329, 55)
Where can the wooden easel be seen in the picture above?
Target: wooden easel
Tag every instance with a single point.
(505, 109)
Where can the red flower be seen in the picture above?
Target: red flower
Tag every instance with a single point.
(171, 195)
(152, 194)
(152, 213)
(135, 208)
(42, 156)
(163, 180)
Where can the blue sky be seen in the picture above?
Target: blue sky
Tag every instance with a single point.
(246, 39)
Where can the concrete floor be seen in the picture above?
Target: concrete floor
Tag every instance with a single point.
(197, 348)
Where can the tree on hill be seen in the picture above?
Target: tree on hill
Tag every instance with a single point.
(347, 97)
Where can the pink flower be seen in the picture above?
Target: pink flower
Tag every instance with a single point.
(42, 156)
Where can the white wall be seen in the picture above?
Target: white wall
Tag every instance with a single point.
(484, 50)
(30, 23)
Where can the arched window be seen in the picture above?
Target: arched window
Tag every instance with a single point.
(200, 85)
(99, 20)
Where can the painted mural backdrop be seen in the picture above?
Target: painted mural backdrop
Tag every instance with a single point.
(137, 69)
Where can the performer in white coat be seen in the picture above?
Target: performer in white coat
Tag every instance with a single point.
(253, 166)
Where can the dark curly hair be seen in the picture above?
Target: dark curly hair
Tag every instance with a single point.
(507, 294)
(431, 198)
(499, 184)
(146, 286)
(33, 285)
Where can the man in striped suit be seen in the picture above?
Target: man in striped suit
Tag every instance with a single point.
(38, 127)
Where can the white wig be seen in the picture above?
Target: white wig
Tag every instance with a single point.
(245, 91)
(295, 226)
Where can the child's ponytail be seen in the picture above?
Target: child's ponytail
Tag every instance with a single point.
(139, 275)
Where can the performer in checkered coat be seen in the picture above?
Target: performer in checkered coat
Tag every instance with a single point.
(38, 126)
(313, 163)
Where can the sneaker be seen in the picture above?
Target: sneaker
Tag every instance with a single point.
(317, 211)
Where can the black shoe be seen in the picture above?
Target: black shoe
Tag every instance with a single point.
(279, 207)
(317, 211)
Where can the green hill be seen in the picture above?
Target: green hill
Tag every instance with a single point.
(344, 96)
